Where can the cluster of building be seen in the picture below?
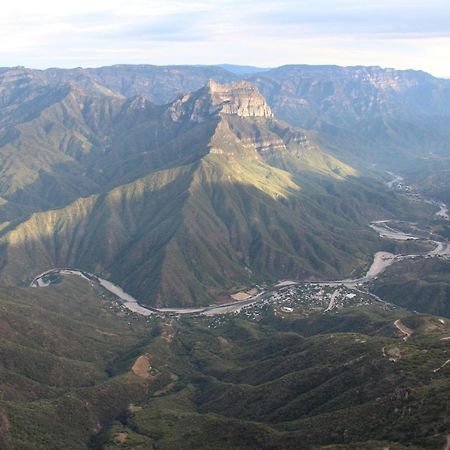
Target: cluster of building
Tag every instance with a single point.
(301, 300)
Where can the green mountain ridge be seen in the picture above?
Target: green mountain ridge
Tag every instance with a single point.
(268, 379)
(366, 115)
(184, 203)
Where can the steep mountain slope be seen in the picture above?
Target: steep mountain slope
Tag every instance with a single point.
(47, 132)
(184, 202)
(379, 115)
(433, 182)
(80, 141)
(393, 118)
(418, 285)
(65, 365)
(160, 84)
(212, 194)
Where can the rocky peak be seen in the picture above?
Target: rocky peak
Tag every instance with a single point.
(240, 98)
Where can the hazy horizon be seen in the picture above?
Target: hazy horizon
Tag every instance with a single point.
(264, 33)
(251, 67)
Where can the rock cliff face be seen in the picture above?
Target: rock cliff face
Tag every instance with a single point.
(384, 116)
(240, 98)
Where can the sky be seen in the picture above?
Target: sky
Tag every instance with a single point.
(265, 33)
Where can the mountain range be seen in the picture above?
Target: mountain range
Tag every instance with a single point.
(186, 184)
(371, 113)
(179, 203)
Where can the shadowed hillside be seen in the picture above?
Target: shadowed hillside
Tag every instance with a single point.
(180, 204)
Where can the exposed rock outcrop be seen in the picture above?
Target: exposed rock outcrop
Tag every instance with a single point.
(241, 98)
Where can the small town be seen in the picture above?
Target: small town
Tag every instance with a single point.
(302, 300)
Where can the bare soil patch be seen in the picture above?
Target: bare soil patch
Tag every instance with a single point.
(141, 367)
(121, 437)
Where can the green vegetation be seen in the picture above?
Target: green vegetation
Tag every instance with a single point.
(65, 357)
(277, 383)
(78, 372)
(422, 285)
(183, 203)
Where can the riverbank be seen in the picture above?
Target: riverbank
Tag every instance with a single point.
(381, 261)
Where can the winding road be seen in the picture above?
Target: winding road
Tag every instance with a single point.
(407, 332)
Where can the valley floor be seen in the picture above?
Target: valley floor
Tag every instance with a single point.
(299, 365)
(381, 261)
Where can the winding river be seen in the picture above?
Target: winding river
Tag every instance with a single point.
(131, 303)
(382, 260)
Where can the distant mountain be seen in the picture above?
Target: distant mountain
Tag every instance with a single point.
(378, 115)
(179, 203)
(243, 70)
(159, 84)
(365, 115)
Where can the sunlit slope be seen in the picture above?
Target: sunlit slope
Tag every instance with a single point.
(92, 232)
(225, 197)
(179, 236)
(189, 234)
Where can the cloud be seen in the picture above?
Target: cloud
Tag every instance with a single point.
(173, 27)
(393, 19)
(261, 32)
